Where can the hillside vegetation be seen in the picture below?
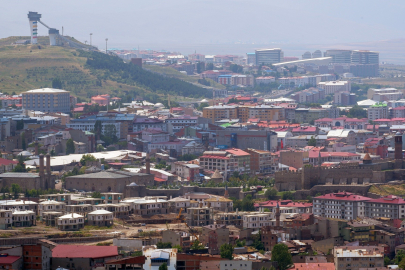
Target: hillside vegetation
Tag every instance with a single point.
(385, 190)
(25, 67)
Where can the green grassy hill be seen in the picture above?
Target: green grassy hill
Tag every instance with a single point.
(26, 67)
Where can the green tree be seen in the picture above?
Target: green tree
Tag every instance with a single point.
(23, 141)
(20, 167)
(257, 242)
(100, 148)
(110, 134)
(15, 188)
(282, 256)
(271, 194)
(312, 141)
(401, 264)
(164, 245)
(387, 261)
(197, 245)
(287, 195)
(226, 251)
(399, 257)
(87, 157)
(179, 248)
(70, 147)
(163, 266)
(98, 127)
(57, 83)
(20, 124)
(247, 203)
(357, 112)
(96, 194)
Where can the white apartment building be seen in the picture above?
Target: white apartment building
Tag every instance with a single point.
(178, 123)
(51, 206)
(155, 135)
(335, 86)
(6, 219)
(102, 218)
(378, 111)
(24, 218)
(341, 205)
(70, 222)
(256, 220)
(147, 205)
(265, 80)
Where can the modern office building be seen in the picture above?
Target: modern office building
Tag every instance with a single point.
(46, 100)
(340, 56)
(269, 56)
(365, 57)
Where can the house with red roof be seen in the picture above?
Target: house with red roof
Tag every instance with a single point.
(83, 257)
(7, 165)
(377, 147)
(227, 161)
(390, 206)
(341, 205)
(294, 207)
(10, 262)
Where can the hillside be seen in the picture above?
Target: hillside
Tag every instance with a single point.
(171, 72)
(25, 67)
(392, 189)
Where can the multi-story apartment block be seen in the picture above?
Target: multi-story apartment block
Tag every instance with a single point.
(176, 124)
(257, 220)
(227, 161)
(46, 100)
(251, 58)
(199, 216)
(242, 139)
(391, 206)
(342, 205)
(220, 112)
(147, 206)
(335, 86)
(141, 123)
(378, 111)
(384, 94)
(269, 56)
(310, 95)
(264, 113)
(265, 80)
(6, 219)
(260, 160)
(354, 258)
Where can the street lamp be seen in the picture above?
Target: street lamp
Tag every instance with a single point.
(90, 38)
(106, 45)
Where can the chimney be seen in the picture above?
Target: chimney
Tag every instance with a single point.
(41, 165)
(48, 164)
(147, 164)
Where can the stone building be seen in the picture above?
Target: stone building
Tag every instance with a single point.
(28, 181)
(107, 181)
(214, 236)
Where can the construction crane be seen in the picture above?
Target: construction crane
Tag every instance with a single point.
(182, 220)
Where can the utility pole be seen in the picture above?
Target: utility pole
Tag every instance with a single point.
(106, 45)
(90, 38)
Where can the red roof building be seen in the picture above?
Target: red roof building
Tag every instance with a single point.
(313, 266)
(391, 206)
(77, 256)
(299, 207)
(341, 205)
(10, 262)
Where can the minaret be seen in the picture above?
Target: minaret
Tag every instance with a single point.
(226, 194)
(277, 215)
(319, 159)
